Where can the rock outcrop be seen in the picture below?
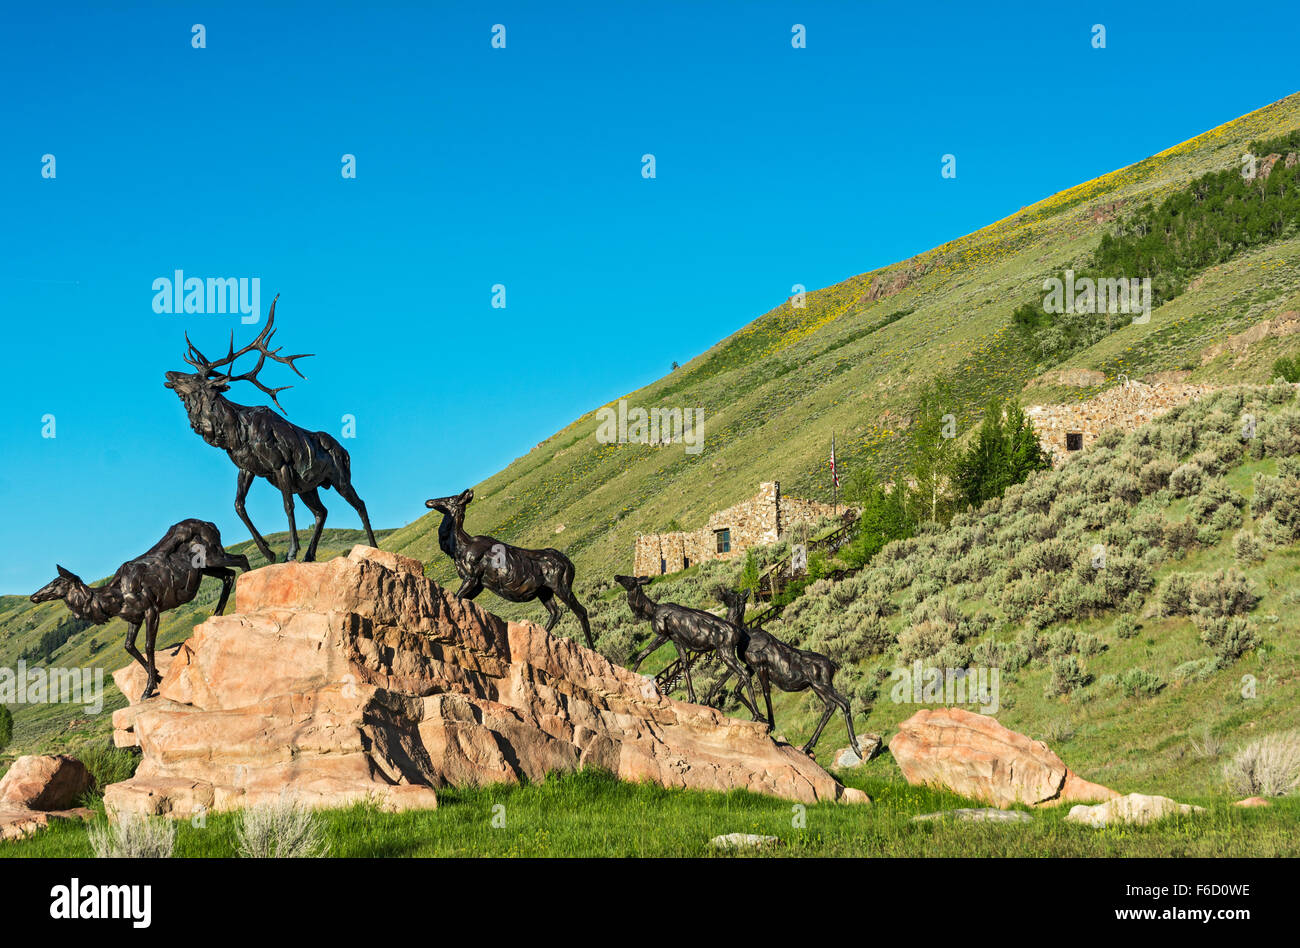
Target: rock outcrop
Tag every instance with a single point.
(1138, 808)
(359, 678)
(37, 789)
(975, 756)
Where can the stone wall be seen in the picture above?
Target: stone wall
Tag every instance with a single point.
(1126, 407)
(759, 521)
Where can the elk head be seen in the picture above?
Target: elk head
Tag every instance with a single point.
(453, 506)
(59, 587)
(201, 390)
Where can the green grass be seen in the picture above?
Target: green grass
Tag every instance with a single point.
(592, 814)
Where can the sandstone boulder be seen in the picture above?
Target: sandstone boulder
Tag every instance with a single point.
(359, 678)
(1253, 801)
(47, 782)
(1139, 808)
(975, 756)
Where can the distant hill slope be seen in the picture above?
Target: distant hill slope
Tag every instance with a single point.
(850, 361)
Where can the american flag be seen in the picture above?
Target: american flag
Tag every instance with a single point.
(835, 476)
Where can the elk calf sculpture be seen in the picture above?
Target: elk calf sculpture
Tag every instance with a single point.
(789, 668)
(263, 443)
(689, 630)
(143, 588)
(511, 572)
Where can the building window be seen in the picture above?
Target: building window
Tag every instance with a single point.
(1074, 441)
(724, 540)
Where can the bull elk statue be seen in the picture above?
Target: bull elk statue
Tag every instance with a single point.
(165, 577)
(263, 443)
(690, 630)
(790, 669)
(512, 573)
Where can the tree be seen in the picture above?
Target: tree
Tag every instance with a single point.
(884, 517)
(933, 437)
(1004, 452)
(749, 574)
(6, 727)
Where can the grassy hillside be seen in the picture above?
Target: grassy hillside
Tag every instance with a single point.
(851, 360)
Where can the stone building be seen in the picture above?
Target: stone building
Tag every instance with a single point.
(755, 522)
(1064, 429)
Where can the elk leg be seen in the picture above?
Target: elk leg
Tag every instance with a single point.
(150, 636)
(683, 655)
(843, 702)
(347, 493)
(471, 587)
(826, 716)
(241, 491)
(293, 527)
(132, 630)
(547, 599)
(728, 656)
(645, 653)
(767, 697)
(571, 601)
(227, 577)
(312, 499)
(717, 686)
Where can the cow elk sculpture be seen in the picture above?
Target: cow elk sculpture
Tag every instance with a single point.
(790, 669)
(165, 577)
(263, 443)
(690, 630)
(512, 573)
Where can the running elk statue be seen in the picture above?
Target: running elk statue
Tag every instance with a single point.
(263, 443)
(789, 668)
(690, 630)
(142, 589)
(511, 572)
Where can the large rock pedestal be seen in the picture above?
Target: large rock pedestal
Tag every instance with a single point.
(359, 678)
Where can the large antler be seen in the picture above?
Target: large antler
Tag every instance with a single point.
(260, 345)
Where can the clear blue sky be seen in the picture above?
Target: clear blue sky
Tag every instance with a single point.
(519, 166)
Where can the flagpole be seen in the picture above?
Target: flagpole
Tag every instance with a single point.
(835, 480)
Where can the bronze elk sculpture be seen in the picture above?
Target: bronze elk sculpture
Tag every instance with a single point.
(263, 443)
(512, 573)
(165, 577)
(690, 630)
(790, 669)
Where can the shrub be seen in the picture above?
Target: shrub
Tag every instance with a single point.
(1139, 683)
(1198, 669)
(1154, 475)
(1268, 767)
(1068, 676)
(1246, 547)
(133, 837)
(6, 726)
(1003, 655)
(1222, 593)
(1174, 597)
(1228, 637)
(1185, 480)
(1125, 627)
(284, 829)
